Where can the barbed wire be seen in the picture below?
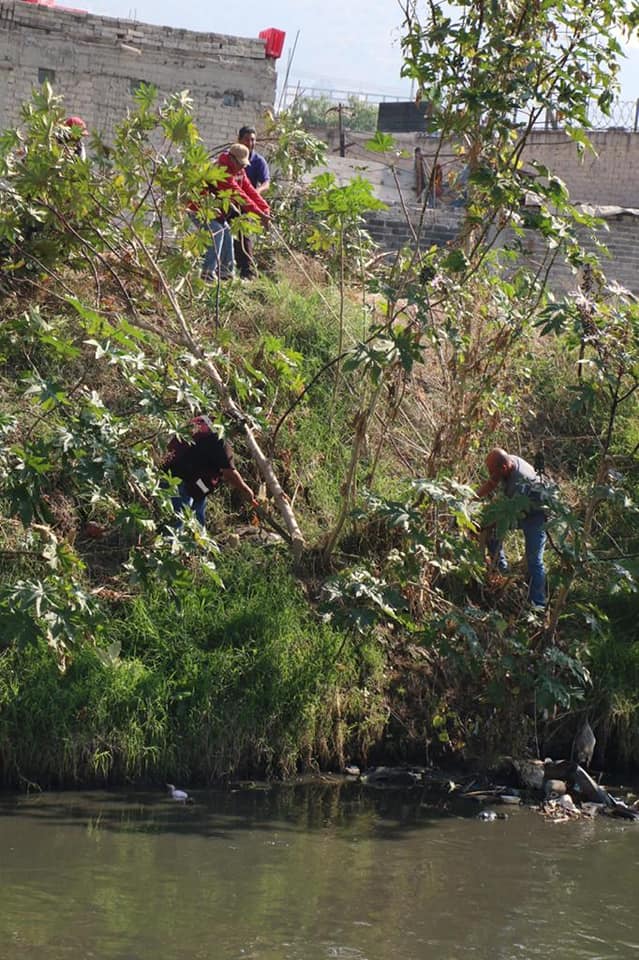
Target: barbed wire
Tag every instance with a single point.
(624, 114)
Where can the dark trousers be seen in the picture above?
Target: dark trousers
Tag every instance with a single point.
(244, 260)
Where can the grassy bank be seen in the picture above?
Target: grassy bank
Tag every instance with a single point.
(361, 394)
(206, 684)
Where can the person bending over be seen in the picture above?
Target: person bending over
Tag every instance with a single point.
(516, 476)
(201, 464)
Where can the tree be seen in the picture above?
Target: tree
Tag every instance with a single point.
(467, 317)
(111, 244)
(315, 113)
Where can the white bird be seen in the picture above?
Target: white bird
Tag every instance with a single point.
(180, 795)
(584, 745)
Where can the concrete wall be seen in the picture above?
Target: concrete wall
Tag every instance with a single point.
(607, 180)
(609, 176)
(98, 60)
(620, 234)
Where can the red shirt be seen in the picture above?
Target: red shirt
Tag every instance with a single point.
(250, 200)
(239, 189)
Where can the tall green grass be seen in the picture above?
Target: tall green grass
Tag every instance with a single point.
(209, 684)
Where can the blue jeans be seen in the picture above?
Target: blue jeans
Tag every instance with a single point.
(184, 500)
(218, 259)
(534, 528)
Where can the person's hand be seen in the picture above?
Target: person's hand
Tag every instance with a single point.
(266, 220)
(252, 499)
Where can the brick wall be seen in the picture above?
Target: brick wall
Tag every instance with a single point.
(610, 175)
(620, 234)
(98, 60)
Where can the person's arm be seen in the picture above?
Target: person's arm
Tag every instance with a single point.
(260, 176)
(253, 202)
(233, 478)
(487, 489)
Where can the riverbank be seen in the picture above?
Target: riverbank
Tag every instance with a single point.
(243, 682)
(352, 616)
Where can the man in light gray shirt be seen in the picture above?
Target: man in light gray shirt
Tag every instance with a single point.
(516, 476)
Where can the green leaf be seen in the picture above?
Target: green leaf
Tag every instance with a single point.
(380, 143)
(456, 261)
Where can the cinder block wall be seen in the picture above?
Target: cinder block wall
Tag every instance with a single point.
(620, 234)
(610, 175)
(97, 62)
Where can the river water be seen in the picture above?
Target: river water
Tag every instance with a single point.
(308, 872)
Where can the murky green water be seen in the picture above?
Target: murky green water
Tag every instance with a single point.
(308, 873)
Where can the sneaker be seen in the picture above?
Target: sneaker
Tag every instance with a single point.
(538, 607)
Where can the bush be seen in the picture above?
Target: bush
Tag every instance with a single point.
(214, 683)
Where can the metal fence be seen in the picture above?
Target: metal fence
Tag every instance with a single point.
(300, 92)
(624, 114)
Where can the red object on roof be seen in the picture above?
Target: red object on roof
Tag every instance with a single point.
(274, 41)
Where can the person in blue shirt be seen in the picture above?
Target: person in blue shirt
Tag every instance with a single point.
(257, 170)
(258, 173)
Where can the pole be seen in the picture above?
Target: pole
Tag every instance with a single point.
(282, 100)
(342, 140)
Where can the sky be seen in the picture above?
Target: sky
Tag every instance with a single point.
(350, 45)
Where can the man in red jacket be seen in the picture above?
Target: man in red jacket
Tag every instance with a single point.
(237, 196)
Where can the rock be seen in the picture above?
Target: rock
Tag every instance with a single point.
(505, 772)
(560, 770)
(531, 773)
(392, 776)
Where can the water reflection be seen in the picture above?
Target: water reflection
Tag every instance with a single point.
(307, 873)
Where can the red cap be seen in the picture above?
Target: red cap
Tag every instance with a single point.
(202, 424)
(77, 122)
